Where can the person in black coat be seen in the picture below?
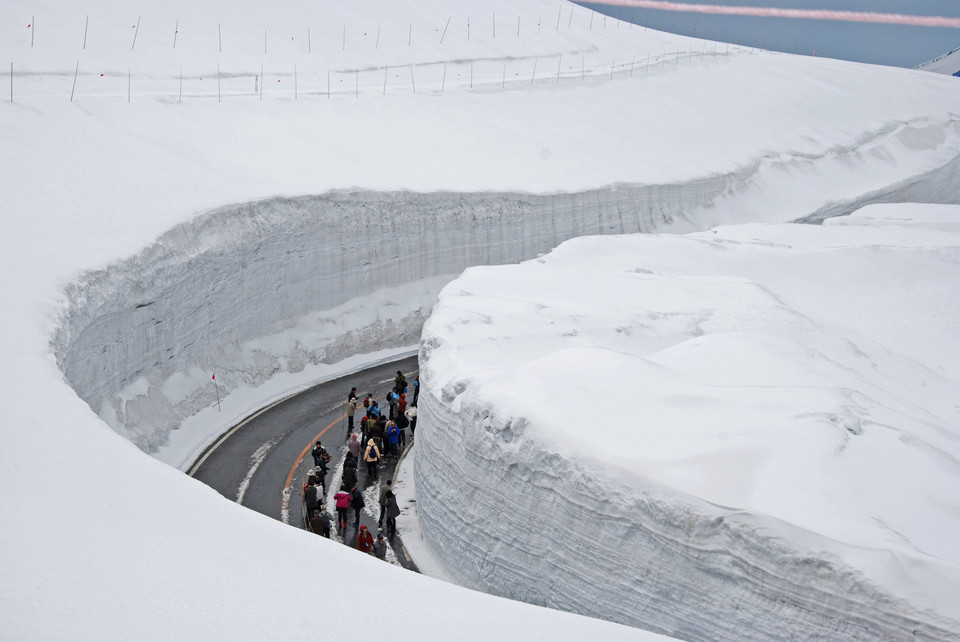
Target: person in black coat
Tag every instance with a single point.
(357, 503)
(349, 476)
(393, 510)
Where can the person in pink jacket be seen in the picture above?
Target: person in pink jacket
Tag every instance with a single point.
(354, 446)
(342, 498)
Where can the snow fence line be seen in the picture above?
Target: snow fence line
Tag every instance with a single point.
(368, 81)
(245, 62)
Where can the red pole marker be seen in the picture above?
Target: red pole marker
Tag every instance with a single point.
(217, 388)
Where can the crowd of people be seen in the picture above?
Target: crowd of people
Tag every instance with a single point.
(382, 437)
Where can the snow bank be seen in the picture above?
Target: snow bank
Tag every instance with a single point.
(295, 282)
(749, 432)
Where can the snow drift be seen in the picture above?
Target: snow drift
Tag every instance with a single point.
(745, 433)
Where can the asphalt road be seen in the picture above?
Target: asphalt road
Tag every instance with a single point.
(258, 467)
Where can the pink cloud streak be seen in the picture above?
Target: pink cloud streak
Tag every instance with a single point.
(810, 14)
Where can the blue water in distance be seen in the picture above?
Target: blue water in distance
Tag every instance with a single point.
(882, 44)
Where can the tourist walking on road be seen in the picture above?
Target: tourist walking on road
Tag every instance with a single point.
(364, 540)
(401, 382)
(393, 438)
(318, 452)
(326, 519)
(342, 498)
(412, 416)
(392, 401)
(383, 501)
(380, 547)
(416, 391)
(372, 456)
(349, 477)
(402, 423)
(321, 472)
(320, 523)
(354, 446)
(393, 511)
(357, 503)
(351, 408)
(311, 497)
(369, 423)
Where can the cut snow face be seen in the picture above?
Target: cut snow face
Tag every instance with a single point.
(756, 395)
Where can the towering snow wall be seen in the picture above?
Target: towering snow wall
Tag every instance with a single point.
(140, 340)
(746, 433)
(524, 523)
(231, 291)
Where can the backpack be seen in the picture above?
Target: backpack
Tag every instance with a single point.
(325, 519)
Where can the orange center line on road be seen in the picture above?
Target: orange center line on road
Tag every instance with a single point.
(303, 453)
(285, 495)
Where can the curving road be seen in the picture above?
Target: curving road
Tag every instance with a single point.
(268, 454)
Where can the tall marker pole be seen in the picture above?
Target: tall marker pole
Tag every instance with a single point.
(217, 388)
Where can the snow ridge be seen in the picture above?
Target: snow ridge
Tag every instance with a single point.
(248, 272)
(140, 340)
(530, 525)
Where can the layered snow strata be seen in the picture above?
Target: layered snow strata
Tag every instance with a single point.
(746, 433)
(266, 287)
(253, 290)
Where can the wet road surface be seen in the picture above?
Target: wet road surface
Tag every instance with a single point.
(264, 464)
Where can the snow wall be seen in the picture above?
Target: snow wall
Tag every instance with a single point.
(557, 532)
(197, 300)
(138, 340)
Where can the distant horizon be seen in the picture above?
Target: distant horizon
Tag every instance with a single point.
(874, 43)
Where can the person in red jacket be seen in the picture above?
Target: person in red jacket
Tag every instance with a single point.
(364, 540)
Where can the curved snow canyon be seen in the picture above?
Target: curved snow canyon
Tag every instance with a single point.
(667, 407)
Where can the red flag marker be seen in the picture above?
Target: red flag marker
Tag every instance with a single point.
(217, 388)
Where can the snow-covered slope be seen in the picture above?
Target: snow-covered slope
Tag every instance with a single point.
(750, 432)
(948, 63)
(262, 192)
